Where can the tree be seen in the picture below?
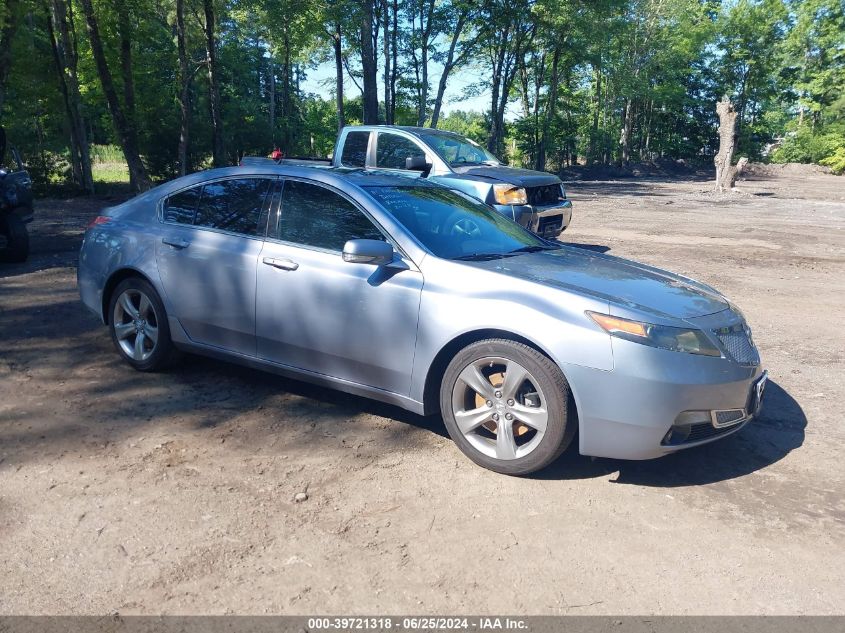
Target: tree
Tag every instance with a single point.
(138, 178)
(726, 172)
(185, 78)
(457, 19)
(508, 28)
(368, 64)
(65, 56)
(8, 26)
(218, 147)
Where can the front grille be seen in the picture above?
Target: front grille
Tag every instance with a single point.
(541, 196)
(552, 222)
(737, 342)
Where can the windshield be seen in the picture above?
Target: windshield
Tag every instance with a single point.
(452, 225)
(458, 151)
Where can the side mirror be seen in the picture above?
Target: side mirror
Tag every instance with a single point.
(418, 163)
(368, 252)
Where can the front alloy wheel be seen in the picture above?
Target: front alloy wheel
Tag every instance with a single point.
(499, 409)
(505, 405)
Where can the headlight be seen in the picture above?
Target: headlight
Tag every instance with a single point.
(508, 194)
(676, 339)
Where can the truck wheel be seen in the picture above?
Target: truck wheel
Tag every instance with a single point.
(506, 406)
(13, 229)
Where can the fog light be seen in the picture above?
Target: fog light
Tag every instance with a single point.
(692, 417)
(676, 435)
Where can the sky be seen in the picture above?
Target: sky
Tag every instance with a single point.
(321, 81)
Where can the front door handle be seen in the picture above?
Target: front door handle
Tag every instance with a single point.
(284, 264)
(175, 242)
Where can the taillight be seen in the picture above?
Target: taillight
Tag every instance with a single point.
(100, 219)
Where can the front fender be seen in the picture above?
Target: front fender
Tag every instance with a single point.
(553, 320)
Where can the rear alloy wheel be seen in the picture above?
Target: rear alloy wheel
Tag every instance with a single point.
(138, 325)
(505, 406)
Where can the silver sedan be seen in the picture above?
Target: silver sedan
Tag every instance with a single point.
(404, 291)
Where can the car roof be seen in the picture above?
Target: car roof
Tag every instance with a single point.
(336, 176)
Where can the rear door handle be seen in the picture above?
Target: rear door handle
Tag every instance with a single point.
(284, 264)
(175, 242)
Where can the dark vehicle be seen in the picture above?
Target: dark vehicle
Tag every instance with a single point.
(15, 206)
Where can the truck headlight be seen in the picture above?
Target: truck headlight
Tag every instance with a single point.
(676, 339)
(508, 194)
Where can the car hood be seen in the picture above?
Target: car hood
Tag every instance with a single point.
(618, 281)
(510, 175)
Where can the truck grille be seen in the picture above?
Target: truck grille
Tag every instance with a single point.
(544, 196)
(738, 344)
(550, 223)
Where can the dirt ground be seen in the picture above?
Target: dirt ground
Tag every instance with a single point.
(174, 493)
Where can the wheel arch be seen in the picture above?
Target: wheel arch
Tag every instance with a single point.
(431, 390)
(112, 282)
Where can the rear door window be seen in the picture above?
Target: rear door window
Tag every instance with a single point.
(236, 205)
(393, 149)
(355, 149)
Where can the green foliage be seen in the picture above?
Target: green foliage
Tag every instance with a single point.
(593, 81)
(473, 125)
(835, 161)
(805, 146)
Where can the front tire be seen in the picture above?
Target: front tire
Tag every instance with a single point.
(13, 229)
(138, 326)
(506, 406)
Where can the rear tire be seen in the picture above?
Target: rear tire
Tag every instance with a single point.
(505, 405)
(138, 326)
(12, 227)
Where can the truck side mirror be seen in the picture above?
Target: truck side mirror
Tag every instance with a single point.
(418, 163)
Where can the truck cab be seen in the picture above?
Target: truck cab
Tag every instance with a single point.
(536, 200)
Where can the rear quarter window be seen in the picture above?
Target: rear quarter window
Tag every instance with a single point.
(182, 207)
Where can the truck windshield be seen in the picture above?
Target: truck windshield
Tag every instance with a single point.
(458, 151)
(452, 225)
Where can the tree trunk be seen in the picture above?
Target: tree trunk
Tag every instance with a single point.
(394, 67)
(287, 77)
(271, 81)
(448, 66)
(549, 114)
(494, 139)
(218, 150)
(138, 177)
(338, 68)
(124, 30)
(388, 112)
(625, 135)
(726, 173)
(65, 58)
(185, 76)
(6, 35)
(368, 64)
(594, 128)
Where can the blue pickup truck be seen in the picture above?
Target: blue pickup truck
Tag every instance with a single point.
(535, 199)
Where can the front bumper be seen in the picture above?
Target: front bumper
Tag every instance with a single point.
(548, 222)
(627, 413)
